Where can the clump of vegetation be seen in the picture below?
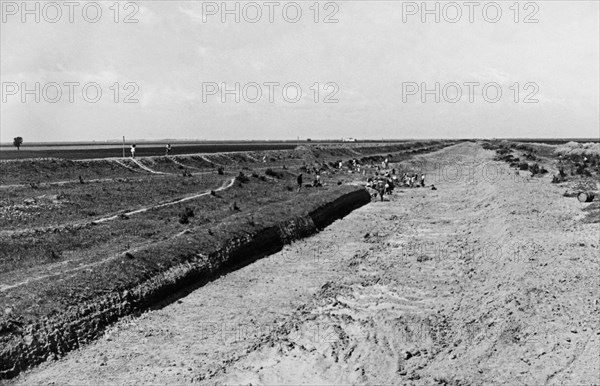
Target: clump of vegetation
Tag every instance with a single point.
(184, 216)
(273, 173)
(506, 158)
(534, 169)
(503, 151)
(581, 168)
(52, 255)
(241, 178)
(220, 170)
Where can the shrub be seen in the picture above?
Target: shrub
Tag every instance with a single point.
(272, 173)
(241, 178)
(581, 169)
(534, 168)
(184, 216)
(530, 157)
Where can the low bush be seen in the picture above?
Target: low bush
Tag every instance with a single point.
(242, 178)
(273, 173)
(534, 169)
(184, 216)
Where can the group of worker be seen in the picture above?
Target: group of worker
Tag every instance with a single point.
(412, 180)
(385, 184)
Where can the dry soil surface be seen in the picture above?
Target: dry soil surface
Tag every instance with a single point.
(490, 279)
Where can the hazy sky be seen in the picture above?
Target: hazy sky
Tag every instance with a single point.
(369, 57)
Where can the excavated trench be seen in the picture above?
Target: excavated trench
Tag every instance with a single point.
(55, 335)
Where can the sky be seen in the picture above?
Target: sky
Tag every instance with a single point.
(362, 69)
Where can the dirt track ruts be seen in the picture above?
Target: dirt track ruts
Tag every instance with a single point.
(483, 281)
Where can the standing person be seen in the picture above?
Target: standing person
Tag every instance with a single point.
(422, 180)
(299, 180)
(132, 150)
(168, 149)
(381, 189)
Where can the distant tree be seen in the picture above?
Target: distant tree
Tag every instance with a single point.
(18, 141)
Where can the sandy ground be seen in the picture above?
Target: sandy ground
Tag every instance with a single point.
(491, 279)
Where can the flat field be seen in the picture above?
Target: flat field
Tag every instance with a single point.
(143, 150)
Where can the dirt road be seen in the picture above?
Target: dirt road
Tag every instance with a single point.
(490, 279)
